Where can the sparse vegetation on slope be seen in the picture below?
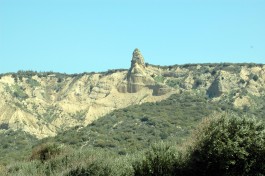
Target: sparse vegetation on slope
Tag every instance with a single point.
(136, 127)
(15, 145)
(224, 146)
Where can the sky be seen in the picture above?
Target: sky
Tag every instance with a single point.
(75, 36)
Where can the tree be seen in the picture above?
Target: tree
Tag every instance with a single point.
(229, 146)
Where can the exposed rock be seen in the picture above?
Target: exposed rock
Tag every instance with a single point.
(159, 90)
(241, 102)
(137, 58)
(223, 83)
(138, 77)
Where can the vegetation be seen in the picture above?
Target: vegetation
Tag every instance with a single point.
(226, 145)
(136, 127)
(32, 82)
(187, 134)
(45, 152)
(159, 79)
(161, 160)
(18, 92)
(197, 83)
(14, 145)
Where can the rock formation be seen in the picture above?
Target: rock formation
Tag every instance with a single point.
(138, 78)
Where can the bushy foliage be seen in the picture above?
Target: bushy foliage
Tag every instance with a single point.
(14, 145)
(255, 77)
(33, 82)
(45, 151)
(19, 92)
(93, 169)
(83, 162)
(197, 83)
(159, 79)
(228, 145)
(160, 160)
(225, 145)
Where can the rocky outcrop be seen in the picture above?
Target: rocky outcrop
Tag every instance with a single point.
(223, 84)
(138, 78)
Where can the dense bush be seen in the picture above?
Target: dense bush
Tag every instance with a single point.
(255, 77)
(45, 151)
(93, 169)
(4, 126)
(197, 83)
(228, 146)
(160, 159)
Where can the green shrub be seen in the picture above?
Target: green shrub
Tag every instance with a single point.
(213, 72)
(160, 160)
(159, 79)
(32, 82)
(255, 77)
(197, 83)
(242, 81)
(19, 92)
(229, 146)
(95, 168)
(46, 151)
(4, 126)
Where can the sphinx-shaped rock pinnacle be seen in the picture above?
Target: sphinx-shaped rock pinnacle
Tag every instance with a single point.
(137, 58)
(138, 77)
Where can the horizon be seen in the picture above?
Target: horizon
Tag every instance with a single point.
(96, 36)
(117, 69)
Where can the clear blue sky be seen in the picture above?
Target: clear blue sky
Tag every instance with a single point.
(74, 36)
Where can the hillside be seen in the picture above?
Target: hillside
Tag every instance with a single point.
(48, 121)
(44, 104)
(137, 127)
(143, 139)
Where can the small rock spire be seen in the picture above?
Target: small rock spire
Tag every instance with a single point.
(137, 58)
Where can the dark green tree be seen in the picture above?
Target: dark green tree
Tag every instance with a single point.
(229, 146)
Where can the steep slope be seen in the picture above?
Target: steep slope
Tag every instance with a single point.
(44, 104)
(137, 127)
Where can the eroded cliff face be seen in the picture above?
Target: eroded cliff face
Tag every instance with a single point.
(44, 104)
(139, 77)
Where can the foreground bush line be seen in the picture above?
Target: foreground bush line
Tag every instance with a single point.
(224, 145)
